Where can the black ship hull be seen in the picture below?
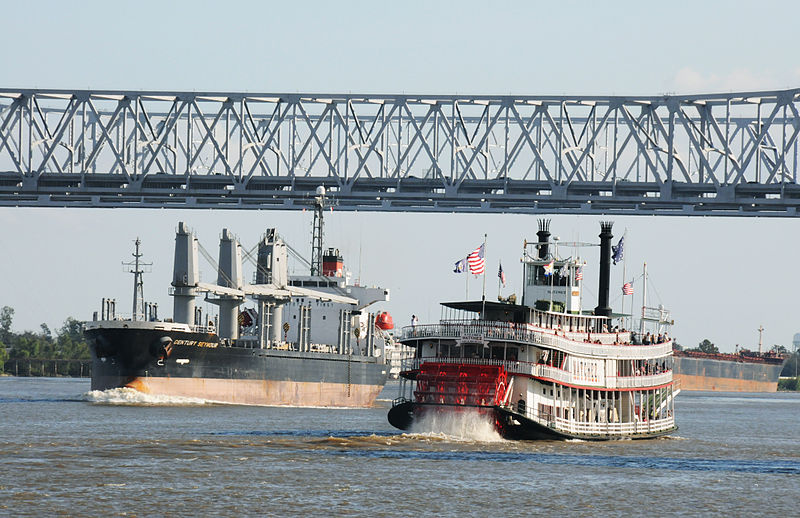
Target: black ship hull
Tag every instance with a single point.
(509, 424)
(196, 365)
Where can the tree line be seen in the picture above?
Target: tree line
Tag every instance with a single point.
(67, 343)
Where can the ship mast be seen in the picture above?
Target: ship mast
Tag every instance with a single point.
(760, 333)
(316, 237)
(135, 267)
(644, 298)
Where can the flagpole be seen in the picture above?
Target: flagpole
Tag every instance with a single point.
(644, 297)
(500, 267)
(483, 294)
(580, 292)
(466, 281)
(624, 278)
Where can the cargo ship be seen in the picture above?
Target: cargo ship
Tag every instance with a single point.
(541, 369)
(308, 340)
(743, 371)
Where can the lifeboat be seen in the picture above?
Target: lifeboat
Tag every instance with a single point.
(384, 321)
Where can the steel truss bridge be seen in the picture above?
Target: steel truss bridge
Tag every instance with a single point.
(732, 154)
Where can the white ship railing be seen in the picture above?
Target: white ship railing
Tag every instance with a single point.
(636, 427)
(512, 331)
(538, 370)
(613, 345)
(204, 329)
(648, 380)
(646, 426)
(514, 367)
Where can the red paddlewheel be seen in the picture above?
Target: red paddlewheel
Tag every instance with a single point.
(461, 384)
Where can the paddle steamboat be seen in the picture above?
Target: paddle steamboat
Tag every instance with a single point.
(542, 369)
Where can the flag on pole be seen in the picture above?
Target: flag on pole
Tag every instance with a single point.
(548, 269)
(563, 272)
(476, 262)
(461, 266)
(627, 288)
(579, 273)
(502, 275)
(617, 251)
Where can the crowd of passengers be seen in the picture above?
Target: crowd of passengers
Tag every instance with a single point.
(651, 370)
(648, 338)
(636, 338)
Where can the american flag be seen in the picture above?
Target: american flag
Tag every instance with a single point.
(548, 268)
(627, 288)
(477, 264)
(502, 275)
(579, 273)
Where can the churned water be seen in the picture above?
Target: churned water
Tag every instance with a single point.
(469, 425)
(67, 451)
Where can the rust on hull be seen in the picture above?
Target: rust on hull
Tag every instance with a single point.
(726, 372)
(715, 384)
(255, 392)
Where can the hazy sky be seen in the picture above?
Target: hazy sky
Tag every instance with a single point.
(722, 278)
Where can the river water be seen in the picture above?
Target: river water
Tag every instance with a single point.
(67, 451)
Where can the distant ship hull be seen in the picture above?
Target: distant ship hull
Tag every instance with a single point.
(202, 368)
(709, 374)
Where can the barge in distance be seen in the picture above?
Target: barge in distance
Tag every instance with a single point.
(537, 373)
(743, 371)
(310, 340)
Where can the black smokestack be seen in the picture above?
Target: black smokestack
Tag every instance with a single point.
(602, 308)
(544, 238)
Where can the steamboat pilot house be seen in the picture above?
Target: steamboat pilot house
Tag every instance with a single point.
(542, 369)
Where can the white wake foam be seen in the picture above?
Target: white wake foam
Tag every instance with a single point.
(463, 425)
(129, 396)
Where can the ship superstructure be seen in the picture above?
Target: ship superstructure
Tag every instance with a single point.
(543, 369)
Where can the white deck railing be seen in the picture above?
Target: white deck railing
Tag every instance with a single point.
(637, 427)
(539, 370)
(613, 345)
(560, 424)
(647, 380)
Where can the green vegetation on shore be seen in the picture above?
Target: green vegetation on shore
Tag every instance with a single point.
(789, 384)
(68, 342)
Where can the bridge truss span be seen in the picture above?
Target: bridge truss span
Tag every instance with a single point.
(732, 154)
